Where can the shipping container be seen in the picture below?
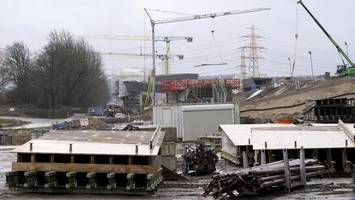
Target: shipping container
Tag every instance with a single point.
(168, 116)
(197, 120)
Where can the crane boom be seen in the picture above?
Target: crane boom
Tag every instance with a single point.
(137, 37)
(126, 54)
(211, 15)
(160, 56)
(339, 49)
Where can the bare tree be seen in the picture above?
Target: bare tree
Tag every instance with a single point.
(18, 61)
(68, 72)
(5, 76)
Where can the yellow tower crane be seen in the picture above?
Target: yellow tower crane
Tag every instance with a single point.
(166, 68)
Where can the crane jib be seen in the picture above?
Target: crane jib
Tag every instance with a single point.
(211, 15)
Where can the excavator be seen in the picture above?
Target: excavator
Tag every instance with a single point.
(342, 70)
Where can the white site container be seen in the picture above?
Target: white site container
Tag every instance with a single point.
(194, 121)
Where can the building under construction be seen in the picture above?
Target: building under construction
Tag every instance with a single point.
(199, 91)
(113, 162)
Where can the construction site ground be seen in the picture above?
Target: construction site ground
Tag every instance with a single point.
(287, 100)
(327, 188)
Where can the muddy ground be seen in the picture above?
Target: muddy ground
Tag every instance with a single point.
(329, 189)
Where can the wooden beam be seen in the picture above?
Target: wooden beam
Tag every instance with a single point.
(76, 167)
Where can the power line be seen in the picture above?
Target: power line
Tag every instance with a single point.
(253, 47)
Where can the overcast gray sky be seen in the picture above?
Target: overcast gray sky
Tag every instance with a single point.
(31, 20)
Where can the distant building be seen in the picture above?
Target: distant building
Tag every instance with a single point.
(116, 84)
(253, 84)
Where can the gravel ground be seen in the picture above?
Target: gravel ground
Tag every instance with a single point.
(329, 189)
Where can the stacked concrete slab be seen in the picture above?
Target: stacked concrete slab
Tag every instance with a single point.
(89, 162)
(332, 144)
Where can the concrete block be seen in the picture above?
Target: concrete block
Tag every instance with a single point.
(169, 162)
(91, 180)
(111, 181)
(30, 179)
(131, 185)
(71, 179)
(51, 179)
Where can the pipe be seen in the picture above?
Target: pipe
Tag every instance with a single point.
(292, 169)
(295, 177)
(297, 170)
(277, 169)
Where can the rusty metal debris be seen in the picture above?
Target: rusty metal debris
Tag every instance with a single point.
(256, 179)
(130, 127)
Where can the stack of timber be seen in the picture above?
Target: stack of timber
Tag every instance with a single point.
(265, 177)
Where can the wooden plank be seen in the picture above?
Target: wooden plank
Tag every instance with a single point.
(76, 167)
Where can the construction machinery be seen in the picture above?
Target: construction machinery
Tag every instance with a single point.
(342, 70)
(188, 18)
(110, 111)
(200, 159)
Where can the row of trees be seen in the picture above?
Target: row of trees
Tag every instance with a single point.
(66, 72)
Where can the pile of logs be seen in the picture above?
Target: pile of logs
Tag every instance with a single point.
(201, 159)
(264, 177)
